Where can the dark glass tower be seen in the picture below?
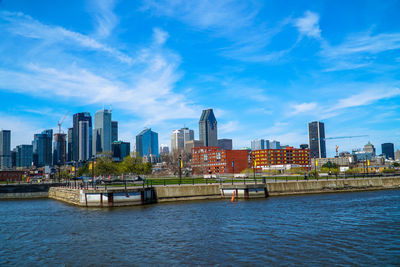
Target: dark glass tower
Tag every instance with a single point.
(388, 150)
(114, 131)
(316, 137)
(147, 143)
(208, 134)
(42, 148)
(78, 117)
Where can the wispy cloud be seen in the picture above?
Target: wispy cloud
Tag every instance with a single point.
(304, 107)
(308, 25)
(228, 127)
(20, 24)
(160, 36)
(104, 17)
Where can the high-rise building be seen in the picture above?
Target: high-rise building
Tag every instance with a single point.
(164, 149)
(14, 158)
(42, 148)
(114, 131)
(5, 149)
(102, 131)
(147, 143)
(59, 149)
(84, 142)
(208, 133)
(24, 156)
(259, 144)
(225, 144)
(397, 155)
(121, 150)
(192, 144)
(316, 137)
(303, 146)
(179, 137)
(388, 150)
(70, 147)
(369, 148)
(275, 145)
(76, 142)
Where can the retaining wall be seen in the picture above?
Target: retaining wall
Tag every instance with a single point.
(187, 192)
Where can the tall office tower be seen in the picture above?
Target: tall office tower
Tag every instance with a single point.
(258, 144)
(102, 132)
(114, 131)
(147, 143)
(316, 137)
(70, 150)
(84, 142)
(225, 144)
(275, 145)
(208, 128)
(78, 117)
(179, 137)
(388, 150)
(24, 156)
(59, 149)
(42, 148)
(5, 149)
(14, 158)
(369, 148)
(397, 155)
(121, 150)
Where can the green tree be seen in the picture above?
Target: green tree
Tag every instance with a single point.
(105, 166)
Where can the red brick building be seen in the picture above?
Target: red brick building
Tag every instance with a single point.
(11, 175)
(267, 158)
(214, 160)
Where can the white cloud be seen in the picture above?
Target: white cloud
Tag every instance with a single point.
(105, 18)
(159, 36)
(228, 127)
(366, 98)
(26, 26)
(309, 25)
(304, 107)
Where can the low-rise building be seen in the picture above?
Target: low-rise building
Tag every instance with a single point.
(214, 160)
(281, 158)
(342, 161)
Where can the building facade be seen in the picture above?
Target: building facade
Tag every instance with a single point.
(388, 150)
(214, 160)
(208, 130)
(179, 137)
(69, 146)
(121, 150)
(274, 145)
(192, 144)
(76, 142)
(260, 144)
(369, 148)
(147, 143)
(397, 155)
(225, 144)
(5, 149)
(42, 148)
(102, 132)
(114, 131)
(59, 149)
(281, 158)
(316, 137)
(24, 156)
(164, 149)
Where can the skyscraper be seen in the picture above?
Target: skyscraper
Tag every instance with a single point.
(84, 142)
(42, 148)
(114, 131)
(179, 137)
(102, 131)
(24, 156)
(147, 143)
(316, 137)
(121, 150)
(275, 145)
(259, 144)
(208, 128)
(369, 148)
(225, 144)
(59, 149)
(70, 147)
(5, 149)
(76, 142)
(388, 150)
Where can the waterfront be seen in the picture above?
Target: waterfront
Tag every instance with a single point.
(345, 228)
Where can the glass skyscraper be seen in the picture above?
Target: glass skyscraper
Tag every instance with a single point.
(5, 149)
(316, 137)
(102, 132)
(42, 148)
(147, 143)
(77, 143)
(388, 150)
(59, 149)
(24, 156)
(208, 133)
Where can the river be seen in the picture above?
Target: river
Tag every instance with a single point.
(325, 229)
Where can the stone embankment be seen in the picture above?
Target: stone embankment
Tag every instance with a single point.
(25, 191)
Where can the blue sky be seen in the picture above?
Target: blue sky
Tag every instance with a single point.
(267, 68)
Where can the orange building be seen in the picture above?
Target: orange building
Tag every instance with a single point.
(214, 160)
(270, 158)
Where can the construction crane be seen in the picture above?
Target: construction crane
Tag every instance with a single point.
(339, 137)
(61, 122)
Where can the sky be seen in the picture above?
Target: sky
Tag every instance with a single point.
(267, 68)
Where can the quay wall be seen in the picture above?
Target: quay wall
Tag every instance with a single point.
(69, 195)
(187, 192)
(25, 191)
(326, 186)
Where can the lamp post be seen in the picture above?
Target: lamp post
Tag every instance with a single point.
(180, 168)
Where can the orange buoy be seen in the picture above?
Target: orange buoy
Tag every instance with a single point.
(233, 196)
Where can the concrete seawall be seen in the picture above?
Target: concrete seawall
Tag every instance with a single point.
(25, 191)
(187, 192)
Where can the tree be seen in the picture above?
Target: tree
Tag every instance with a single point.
(105, 166)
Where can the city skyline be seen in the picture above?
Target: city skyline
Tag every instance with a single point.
(273, 71)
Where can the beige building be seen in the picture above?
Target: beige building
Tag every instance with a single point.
(191, 144)
(345, 161)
